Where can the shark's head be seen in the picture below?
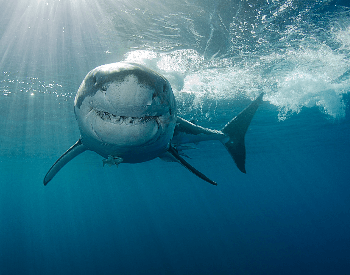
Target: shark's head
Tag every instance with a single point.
(125, 110)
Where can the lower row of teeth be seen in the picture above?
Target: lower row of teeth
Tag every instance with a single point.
(123, 119)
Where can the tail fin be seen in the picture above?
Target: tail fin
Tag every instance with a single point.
(236, 130)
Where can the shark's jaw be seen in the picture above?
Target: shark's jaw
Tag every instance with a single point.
(122, 115)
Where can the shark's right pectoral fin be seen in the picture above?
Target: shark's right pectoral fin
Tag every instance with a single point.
(71, 153)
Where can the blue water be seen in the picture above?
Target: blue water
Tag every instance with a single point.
(290, 214)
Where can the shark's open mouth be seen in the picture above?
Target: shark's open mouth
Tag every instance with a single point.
(122, 131)
(115, 119)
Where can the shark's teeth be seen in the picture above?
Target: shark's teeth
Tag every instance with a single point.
(124, 119)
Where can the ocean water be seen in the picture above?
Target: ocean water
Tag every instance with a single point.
(290, 214)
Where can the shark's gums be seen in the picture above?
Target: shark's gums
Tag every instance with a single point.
(127, 114)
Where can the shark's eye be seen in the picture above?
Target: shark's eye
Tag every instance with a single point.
(155, 94)
(94, 80)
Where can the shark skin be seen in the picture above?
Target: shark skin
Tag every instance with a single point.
(127, 114)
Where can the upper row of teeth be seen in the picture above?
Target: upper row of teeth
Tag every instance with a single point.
(123, 119)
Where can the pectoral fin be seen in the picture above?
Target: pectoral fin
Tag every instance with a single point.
(179, 159)
(71, 153)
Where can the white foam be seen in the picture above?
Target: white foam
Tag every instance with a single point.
(292, 80)
(343, 36)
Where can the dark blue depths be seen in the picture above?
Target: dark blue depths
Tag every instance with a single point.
(289, 214)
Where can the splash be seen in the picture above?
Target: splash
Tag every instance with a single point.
(296, 52)
(307, 78)
(291, 80)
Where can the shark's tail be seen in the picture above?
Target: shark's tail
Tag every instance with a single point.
(236, 130)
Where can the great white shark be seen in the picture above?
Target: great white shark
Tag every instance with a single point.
(127, 114)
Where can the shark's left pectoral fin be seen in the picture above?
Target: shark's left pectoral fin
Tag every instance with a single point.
(179, 159)
(71, 153)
